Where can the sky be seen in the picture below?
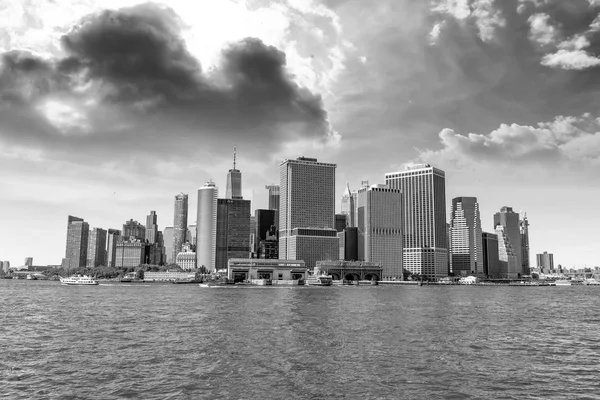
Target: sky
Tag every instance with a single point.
(108, 108)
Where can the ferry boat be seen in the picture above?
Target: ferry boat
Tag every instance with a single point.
(78, 280)
(562, 282)
(319, 278)
(591, 281)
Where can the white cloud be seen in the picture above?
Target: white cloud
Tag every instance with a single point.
(488, 19)
(435, 32)
(563, 139)
(570, 59)
(459, 9)
(541, 30)
(66, 118)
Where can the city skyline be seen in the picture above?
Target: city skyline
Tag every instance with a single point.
(499, 95)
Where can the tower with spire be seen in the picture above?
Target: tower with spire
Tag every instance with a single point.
(234, 181)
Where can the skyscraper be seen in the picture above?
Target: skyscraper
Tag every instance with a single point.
(96, 253)
(466, 248)
(206, 226)
(274, 201)
(424, 218)
(168, 244)
(525, 260)
(234, 182)
(233, 231)
(111, 247)
(307, 209)
(491, 262)
(151, 227)
(509, 267)
(77, 238)
(347, 205)
(379, 223)
(180, 223)
(510, 221)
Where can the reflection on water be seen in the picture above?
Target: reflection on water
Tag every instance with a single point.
(183, 341)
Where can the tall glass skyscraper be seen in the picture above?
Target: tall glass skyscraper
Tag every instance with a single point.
(180, 222)
(206, 226)
(151, 227)
(424, 218)
(466, 248)
(307, 211)
(96, 253)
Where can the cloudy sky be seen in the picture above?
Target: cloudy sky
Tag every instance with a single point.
(109, 108)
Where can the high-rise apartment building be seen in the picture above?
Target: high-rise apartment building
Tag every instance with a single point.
(491, 262)
(112, 238)
(96, 253)
(510, 221)
(233, 230)
(307, 210)
(545, 261)
(234, 182)
(466, 248)
(424, 219)
(77, 242)
(525, 260)
(509, 267)
(180, 224)
(151, 227)
(134, 229)
(206, 226)
(379, 217)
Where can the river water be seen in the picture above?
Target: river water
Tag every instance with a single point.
(164, 341)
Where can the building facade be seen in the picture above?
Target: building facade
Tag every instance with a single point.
(180, 223)
(186, 260)
(379, 223)
(425, 243)
(131, 252)
(206, 226)
(233, 230)
(112, 238)
(151, 227)
(168, 244)
(545, 261)
(234, 182)
(509, 267)
(134, 229)
(509, 219)
(77, 242)
(274, 201)
(96, 248)
(307, 201)
(466, 248)
(525, 259)
(491, 262)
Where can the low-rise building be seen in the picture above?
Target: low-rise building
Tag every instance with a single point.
(243, 269)
(168, 276)
(352, 270)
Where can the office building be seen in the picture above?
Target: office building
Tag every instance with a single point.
(191, 238)
(509, 267)
(307, 211)
(28, 262)
(112, 238)
(525, 260)
(274, 201)
(206, 226)
(186, 259)
(134, 229)
(168, 245)
(265, 220)
(466, 249)
(180, 224)
(510, 221)
(341, 222)
(491, 262)
(77, 242)
(349, 244)
(268, 247)
(131, 252)
(347, 205)
(234, 182)
(379, 223)
(96, 253)
(151, 227)
(425, 231)
(545, 261)
(233, 231)
(5, 266)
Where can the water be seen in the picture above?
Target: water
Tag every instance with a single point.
(186, 342)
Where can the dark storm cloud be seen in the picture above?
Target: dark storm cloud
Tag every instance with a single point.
(152, 93)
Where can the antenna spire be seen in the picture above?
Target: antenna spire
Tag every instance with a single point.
(233, 157)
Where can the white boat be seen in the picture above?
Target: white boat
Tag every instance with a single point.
(562, 282)
(319, 280)
(591, 281)
(78, 280)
